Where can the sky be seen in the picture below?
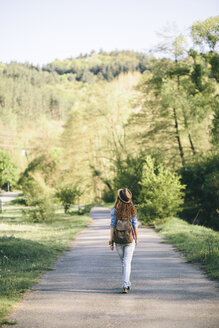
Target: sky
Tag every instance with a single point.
(40, 31)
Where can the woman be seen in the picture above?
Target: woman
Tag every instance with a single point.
(124, 208)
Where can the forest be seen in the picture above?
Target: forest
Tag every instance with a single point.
(77, 130)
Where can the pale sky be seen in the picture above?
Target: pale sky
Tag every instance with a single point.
(40, 31)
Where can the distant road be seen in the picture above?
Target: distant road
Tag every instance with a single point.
(6, 197)
(84, 289)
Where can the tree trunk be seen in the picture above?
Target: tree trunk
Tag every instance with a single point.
(178, 137)
(191, 144)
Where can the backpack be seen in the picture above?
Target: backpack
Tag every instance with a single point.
(123, 231)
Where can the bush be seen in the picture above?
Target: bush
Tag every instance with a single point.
(129, 174)
(84, 209)
(202, 192)
(37, 196)
(67, 196)
(8, 170)
(108, 196)
(161, 194)
(43, 211)
(44, 165)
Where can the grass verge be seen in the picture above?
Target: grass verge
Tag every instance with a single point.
(28, 249)
(199, 244)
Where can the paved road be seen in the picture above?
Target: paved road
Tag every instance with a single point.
(84, 289)
(6, 197)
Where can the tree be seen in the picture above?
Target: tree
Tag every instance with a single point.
(129, 173)
(215, 126)
(43, 164)
(214, 61)
(201, 177)
(8, 171)
(175, 98)
(161, 194)
(206, 33)
(68, 195)
(159, 103)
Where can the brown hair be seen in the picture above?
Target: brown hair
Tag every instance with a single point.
(124, 210)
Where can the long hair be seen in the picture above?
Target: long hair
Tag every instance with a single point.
(124, 210)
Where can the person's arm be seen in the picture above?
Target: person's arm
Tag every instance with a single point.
(136, 235)
(111, 243)
(135, 228)
(112, 227)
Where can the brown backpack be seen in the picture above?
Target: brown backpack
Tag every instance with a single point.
(123, 231)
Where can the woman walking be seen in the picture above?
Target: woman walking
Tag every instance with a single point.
(124, 233)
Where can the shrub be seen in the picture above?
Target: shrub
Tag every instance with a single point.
(129, 174)
(202, 192)
(44, 165)
(8, 170)
(161, 194)
(67, 196)
(38, 197)
(43, 211)
(84, 209)
(108, 196)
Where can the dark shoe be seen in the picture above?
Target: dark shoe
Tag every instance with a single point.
(124, 290)
(129, 288)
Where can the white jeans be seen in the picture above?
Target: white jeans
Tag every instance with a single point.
(125, 252)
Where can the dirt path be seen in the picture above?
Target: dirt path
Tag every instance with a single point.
(84, 289)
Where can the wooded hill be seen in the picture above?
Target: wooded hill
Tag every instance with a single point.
(95, 119)
(26, 91)
(99, 66)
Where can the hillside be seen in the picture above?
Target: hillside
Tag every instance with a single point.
(27, 91)
(97, 66)
(93, 113)
(39, 107)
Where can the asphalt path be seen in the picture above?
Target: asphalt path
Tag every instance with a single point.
(6, 197)
(84, 289)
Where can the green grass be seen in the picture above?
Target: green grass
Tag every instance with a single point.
(199, 244)
(28, 249)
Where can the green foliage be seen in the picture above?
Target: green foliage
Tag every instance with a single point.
(101, 66)
(199, 244)
(161, 195)
(197, 76)
(68, 195)
(36, 182)
(206, 32)
(214, 61)
(108, 196)
(129, 174)
(8, 170)
(43, 210)
(178, 46)
(215, 127)
(78, 110)
(43, 164)
(202, 192)
(175, 101)
(27, 92)
(82, 210)
(93, 134)
(37, 197)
